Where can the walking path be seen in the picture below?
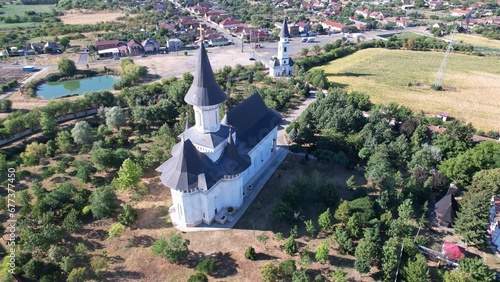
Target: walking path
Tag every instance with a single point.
(258, 182)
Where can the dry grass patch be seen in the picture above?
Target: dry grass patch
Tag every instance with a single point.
(89, 17)
(386, 74)
(475, 40)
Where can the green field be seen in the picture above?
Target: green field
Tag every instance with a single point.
(473, 82)
(475, 40)
(12, 10)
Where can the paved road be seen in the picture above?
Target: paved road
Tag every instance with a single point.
(83, 60)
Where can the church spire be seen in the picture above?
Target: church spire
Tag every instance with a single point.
(284, 30)
(204, 90)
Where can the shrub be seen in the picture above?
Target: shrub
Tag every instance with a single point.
(269, 272)
(250, 253)
(116, 230)
(128, 215)
(206, 266)
(198, 277)
(291, 246)
(175, 249)
(53, 76)
(287, 267)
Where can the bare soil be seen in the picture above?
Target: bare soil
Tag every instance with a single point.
(8, 74)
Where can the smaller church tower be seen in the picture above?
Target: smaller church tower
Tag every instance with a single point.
(282, 64)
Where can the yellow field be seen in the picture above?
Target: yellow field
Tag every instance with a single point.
(475, 40)
(474, 82)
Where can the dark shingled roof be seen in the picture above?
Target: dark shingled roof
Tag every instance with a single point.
(284, 30)
(204, 91)
(446, 209)
(209, 140)
(253, 119)
(182, 171)
(234, 162)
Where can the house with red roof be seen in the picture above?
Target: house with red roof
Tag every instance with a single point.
(228, 23)
(459, 13)
(134, 47)
(334, 26)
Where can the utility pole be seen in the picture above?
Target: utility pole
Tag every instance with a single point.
(442, 69)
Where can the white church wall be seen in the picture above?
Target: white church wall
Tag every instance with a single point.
(188, 207)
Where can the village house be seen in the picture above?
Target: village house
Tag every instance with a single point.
(435, 5)
(303, 27)
(459, 13)
(228, 23)
(334, 26)
(134, 48)
(174, 44)
(151, 46)
(363, 12)
(165, 25)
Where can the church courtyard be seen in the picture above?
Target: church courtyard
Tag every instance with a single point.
(227, 247)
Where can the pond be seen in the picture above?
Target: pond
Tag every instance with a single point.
(57, 89)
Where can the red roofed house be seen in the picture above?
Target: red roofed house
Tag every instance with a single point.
(459, 13)
(334, 26)
(228, 23)
(134, 48)
(106, 44)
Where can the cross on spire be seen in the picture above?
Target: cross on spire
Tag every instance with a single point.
(201, 29)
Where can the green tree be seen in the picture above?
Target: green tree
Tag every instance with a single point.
(269, 272)
(287, 268)
(477, 270)
(250, 253)
(104, 158)
(316, 49)
(99, 264)
(206, 266)
(78, 275)
(84, 170)
(366, 254)
(354, 225)
(198, 277)
(64, 141)
(33, 269)
(486, 180)
(406, 210)
(343, 212)
(5, 106)
(310, 228)
(48, 123)
(304, 52)
(472, 217)
(103, 202)
(115, 117)
(116, 230)
(66, 67)
(175, 249)
(128, 215)
(33, 153)
(129, 175)
(81, 250)
(322, 252)
(71, 222)
(291, 246)
(416, 269)
(339, 276)
(389, 258)
(351, 183)
(341, 236)
(325, 221)
(82, 133)
(300, 276)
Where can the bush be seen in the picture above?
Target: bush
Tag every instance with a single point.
(206, 266)
(128, 215)
(291, 246)
(198, 277)
(53, 77)
(250, 253)
(287, 267)
(175, 249)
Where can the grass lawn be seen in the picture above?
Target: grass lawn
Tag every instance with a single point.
(12, 10)
(385, 75)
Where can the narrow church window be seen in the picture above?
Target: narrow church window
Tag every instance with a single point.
(284, 62)
(272, 145)
(284, 49)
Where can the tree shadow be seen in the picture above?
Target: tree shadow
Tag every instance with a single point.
(225, 265)
(144, 241)
(264, 256)
(341, 262)
(120, 272)
(338, 85)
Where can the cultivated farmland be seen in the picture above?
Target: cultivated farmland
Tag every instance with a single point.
(405, 77)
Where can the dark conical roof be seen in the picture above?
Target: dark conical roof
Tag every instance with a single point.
(204, 91)
(446, 209)
(182, 171)
(284, 30)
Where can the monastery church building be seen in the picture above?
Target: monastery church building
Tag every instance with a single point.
(210, 168)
